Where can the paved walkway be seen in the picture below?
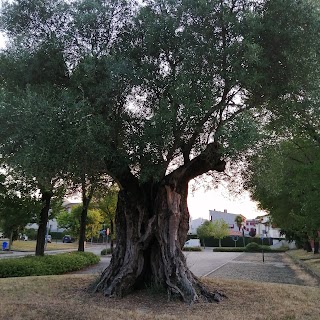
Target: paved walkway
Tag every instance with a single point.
(277, 268)
(200, 263)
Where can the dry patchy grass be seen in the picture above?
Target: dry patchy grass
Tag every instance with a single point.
(30, 245)
(311, 260)
(302, 254)
(314, 265)
(65, 297)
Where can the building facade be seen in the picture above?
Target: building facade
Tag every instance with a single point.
(52, 223)
(194, 224)
(229, 218)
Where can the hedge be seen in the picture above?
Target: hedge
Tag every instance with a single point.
(251, 247)
(228, 241)
(105, 251)
(46, 265)
(226, 249)
(191, 249)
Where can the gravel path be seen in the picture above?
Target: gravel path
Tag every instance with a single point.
(277, 268)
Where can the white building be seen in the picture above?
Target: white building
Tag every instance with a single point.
(52, 223)
(229, 218)
(266, 229)
(195, 224)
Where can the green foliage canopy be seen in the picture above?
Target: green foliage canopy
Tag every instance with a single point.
(71, 221)
(205, 230)
(220, 229)
(284, 180)
(188, 68)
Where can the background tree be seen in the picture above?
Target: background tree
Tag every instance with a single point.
(72, 222)
(106, 202)
(164, 88)
(32, 120)
(220, 230)
(205, 230)
(18, 205)
(239, 221)
(285, 182)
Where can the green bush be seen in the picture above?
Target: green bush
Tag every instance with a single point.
(31, 233)
(46, 265)
(229, 242)
(191, 249)
(252, 247)
(105, 251)
(234, 249)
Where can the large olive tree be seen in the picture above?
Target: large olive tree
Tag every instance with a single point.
(164, 87)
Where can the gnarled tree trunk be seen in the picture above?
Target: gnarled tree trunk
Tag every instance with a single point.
(152, 222)
(84, 213)
(41, 235)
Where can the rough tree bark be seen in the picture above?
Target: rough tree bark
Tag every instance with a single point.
(86, 199)
(83, 223)
(315, 242)
(152, 221)
(111, 235)
(41, 235)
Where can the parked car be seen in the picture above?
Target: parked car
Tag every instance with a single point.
(25, 237)
(48, 238)
(192, 243)
(67, 239)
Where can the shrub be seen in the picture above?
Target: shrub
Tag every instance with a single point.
(191, 249)
(281, 249)
(46, 265)
(105, 251)
(252, 247)
(235, 249)
(31, 233)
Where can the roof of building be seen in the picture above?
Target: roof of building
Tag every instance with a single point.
(70, 201)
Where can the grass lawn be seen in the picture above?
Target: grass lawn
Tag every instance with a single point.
(65, 297)
(309, 258)
(303, 255)
(31, 245)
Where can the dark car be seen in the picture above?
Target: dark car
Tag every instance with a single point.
(67, 239)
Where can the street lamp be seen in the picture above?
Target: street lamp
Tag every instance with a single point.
(242, 228)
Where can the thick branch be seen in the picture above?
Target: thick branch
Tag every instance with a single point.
(209, 159)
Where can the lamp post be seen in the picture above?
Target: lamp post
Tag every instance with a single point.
(242, 228)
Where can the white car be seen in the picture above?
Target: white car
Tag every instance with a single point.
(192, 243)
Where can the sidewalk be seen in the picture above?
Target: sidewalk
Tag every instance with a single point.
(277, 268)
